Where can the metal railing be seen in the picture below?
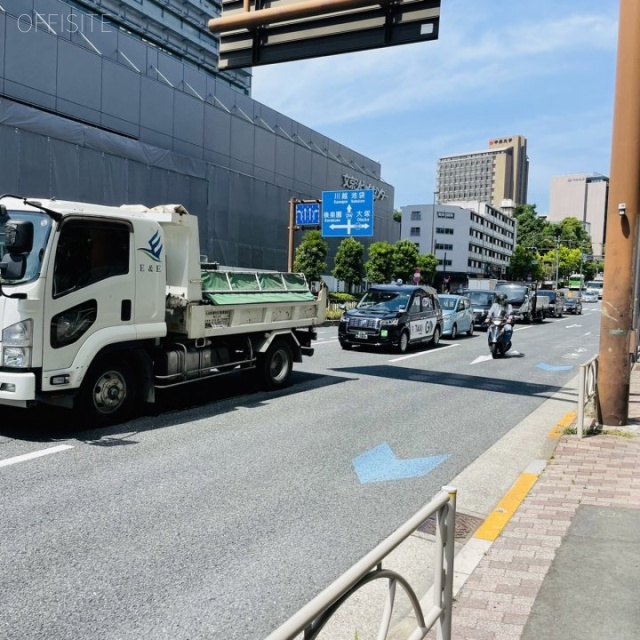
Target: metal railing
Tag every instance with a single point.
(587, 390)
(312, 618)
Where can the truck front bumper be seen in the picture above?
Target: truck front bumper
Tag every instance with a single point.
(17, 389)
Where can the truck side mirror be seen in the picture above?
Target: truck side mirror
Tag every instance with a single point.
(18, 242)
(13, 267)
(18, 237)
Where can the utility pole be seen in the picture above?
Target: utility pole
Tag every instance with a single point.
(614, 366)
(292, 229)
(557, 256)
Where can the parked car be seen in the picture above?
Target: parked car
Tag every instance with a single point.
(392, 315)
(573, 302)
(481, 301)
(457, 315)
(556, 301)
(589, 296)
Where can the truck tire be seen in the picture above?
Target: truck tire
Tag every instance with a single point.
(276, 365)
(108, 393)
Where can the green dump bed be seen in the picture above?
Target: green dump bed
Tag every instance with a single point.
(250, 287)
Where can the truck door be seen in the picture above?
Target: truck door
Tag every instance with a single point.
(90, 288)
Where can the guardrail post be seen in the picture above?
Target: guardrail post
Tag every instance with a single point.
(581, 385)
(444, 625)
(587, 390)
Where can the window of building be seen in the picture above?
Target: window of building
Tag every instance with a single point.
(415, 231)
(416, 215)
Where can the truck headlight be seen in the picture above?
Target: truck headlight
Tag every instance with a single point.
(17, 341)
(16, 357)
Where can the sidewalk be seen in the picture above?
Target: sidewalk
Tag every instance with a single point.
(567, 564)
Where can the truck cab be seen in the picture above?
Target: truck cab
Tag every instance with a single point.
(101, 306)
(394, 316)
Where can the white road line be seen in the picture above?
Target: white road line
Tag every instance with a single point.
(422, 353)
(34, 454)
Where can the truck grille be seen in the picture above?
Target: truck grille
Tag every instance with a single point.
(364, 323)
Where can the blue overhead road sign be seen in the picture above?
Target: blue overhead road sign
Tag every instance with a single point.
(347, 213)
(308, 214)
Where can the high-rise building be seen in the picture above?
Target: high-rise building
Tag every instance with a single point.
(583, 196)
(176, 27)
(497, 175)
(117, 101)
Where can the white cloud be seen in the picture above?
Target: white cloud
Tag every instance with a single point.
(357, 86)
(500, 67)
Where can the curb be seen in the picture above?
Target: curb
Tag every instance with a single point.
(470, 555)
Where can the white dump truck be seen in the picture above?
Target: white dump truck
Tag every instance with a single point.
(101, 307)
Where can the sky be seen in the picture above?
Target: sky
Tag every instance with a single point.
(544, 69)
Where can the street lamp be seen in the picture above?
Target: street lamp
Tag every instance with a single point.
(558, 232)
(433, 225)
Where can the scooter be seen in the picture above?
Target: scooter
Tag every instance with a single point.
(497, 338)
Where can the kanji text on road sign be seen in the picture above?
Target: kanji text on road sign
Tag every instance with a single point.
(307, 214)
(347, 213)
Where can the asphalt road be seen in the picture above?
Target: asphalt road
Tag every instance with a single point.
(231, 508)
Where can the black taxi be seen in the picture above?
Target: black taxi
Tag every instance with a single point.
(393, 315)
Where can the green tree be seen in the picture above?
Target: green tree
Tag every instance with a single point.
(397, 215)
(531, 228)
(525, 263)
(589, 269)
(427, 263)
(349, 262)
(379, 266)
(311, 256)
(405, 260)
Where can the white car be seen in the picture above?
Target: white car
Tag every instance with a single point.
(589, 296)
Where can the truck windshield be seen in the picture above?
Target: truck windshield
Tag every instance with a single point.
(480, 298)
(384, 301)
(514, 292)
(41, 230)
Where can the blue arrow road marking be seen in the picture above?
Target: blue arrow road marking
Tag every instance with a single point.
(380, 464)
(551, 367)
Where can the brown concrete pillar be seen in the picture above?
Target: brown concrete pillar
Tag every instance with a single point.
(614, 363)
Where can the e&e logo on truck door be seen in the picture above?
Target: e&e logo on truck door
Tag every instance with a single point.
(154, 251)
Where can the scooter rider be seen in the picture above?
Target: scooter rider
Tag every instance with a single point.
(502, 310)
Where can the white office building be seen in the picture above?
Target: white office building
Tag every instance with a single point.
(470, 239)
(582, 196)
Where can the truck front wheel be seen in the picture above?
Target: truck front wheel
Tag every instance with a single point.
(276, 365)
(108, 393)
